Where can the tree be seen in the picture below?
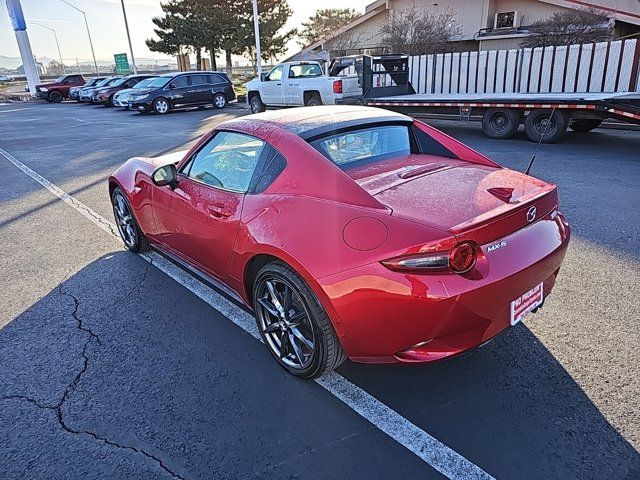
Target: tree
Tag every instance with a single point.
(417, 31)
(323, 23)
(569, 27)
(56, 68)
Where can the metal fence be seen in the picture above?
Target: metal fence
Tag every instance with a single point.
(598, 67)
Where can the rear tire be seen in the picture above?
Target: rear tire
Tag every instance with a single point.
(256, 105)
(584, 125)
(128, 227)
(500, 123)
(55, 96)
(542, 124)
(219, 101)
(304, 310)
(314, 101)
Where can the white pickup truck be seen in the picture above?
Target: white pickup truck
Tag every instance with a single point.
(293, 84)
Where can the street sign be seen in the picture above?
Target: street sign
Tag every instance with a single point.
(122, 64)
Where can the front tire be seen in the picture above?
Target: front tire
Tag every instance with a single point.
(256, 104)
(219, 101)
(55, 96)
(295, 328)
(500, 123)
(128, 228)
(161, 106)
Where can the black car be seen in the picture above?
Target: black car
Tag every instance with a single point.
(184, 90)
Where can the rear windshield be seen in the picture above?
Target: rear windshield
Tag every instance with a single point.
(369, 144)
(159, 82)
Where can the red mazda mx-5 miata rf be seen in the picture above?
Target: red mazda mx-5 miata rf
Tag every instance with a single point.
(351, 232)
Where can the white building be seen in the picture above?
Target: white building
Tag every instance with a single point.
(484, 24)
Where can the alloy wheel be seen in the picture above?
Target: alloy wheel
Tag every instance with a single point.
(285, 322)
(219, 101)
(124, 220)
(162, 106)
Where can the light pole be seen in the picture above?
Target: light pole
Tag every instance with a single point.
(256, 31)
(55, 35)
(126, 24)
(88, 33)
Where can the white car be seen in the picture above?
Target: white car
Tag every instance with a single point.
(293, 84)
(121, 98)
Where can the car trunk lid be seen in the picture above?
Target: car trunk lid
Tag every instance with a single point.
(471, 201)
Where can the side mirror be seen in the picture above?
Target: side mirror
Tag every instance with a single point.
(165, 175)
(264, 77)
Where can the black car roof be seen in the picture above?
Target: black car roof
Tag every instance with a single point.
(175, 74)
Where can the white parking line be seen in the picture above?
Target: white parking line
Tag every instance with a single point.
(429, 449)
(14, 110)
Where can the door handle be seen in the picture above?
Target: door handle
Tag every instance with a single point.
(219, 211)
(278, 84)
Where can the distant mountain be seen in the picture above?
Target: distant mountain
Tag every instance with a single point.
(12, 63)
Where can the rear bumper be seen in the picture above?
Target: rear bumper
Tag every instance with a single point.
(387, 317)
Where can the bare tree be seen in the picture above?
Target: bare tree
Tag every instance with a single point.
(569, 27)
(416, 31)
(349, 40)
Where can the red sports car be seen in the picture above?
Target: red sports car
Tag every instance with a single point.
(351, 232)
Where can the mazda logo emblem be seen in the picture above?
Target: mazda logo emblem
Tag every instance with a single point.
(531, 214)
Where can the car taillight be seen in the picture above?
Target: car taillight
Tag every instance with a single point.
(459, 260)
(463, 257)
(337, 86)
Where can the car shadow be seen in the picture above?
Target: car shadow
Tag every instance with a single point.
(122, 373)
(510, 407)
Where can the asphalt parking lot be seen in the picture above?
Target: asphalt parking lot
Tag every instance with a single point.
(112, 369)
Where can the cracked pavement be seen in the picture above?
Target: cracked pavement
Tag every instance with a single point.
(110, 369)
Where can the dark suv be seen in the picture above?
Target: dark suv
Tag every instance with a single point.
(58, 89)
(183, 90)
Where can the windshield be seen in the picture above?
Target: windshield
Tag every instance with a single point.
(158, 82)
(119, 82)
(144, 83)
(103, 82)
(60, 79)
(368, 144)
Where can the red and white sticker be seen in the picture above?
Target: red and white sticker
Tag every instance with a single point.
(526, 302)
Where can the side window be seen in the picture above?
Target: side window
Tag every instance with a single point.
(130, 83)
(180, 82)
(199, 79)
(227, 161)
(427, 145)
(276, 73)
(272, 164)
(215, 79)
(305, 70)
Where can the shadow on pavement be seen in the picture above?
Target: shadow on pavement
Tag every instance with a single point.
(509, 407)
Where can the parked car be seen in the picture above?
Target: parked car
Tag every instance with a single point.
(419, 247)
(74, 92)
(105, 94)
(183, 90)
(58, 90)
(85, 94)
(299, 83)
(121, 98)
(6, 78)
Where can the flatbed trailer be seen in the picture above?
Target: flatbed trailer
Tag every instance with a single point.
(546, 116)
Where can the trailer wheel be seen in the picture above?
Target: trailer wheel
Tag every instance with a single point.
(584, 125)
(545, 125)
(500, 123)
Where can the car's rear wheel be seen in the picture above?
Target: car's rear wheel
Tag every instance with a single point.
(161, 105)
(314, 101)
(109, 102)
(128, 228)
(55, 96)
(293, 325)
(256, 104)
(219, 100)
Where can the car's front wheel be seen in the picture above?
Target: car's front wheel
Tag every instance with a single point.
(256, 104)
(55, 96)
(293, 325)
(161, 106)
(128, 228)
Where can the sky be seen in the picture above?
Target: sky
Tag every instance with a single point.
(107, 26)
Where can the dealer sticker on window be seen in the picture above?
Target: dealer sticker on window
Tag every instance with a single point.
(526, 302)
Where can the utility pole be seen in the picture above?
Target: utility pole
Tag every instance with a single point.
(55, 35)
(88, 33)
(126, 24)
(256, 31)
(20, 28)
